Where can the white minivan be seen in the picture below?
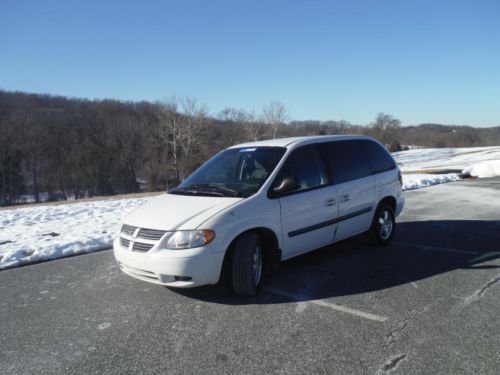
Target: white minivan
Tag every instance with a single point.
(255, 204)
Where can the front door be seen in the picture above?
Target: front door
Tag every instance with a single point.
(308, 213)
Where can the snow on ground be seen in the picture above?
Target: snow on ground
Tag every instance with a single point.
(417, 181)
(484, 169)
(467, 161)
(44, 232)
(435, 159)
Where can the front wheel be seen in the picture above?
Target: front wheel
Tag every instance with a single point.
(383, 225)
(247, 264)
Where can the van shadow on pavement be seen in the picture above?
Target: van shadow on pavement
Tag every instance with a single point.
(418, 251)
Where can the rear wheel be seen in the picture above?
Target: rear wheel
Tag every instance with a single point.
(383, 225)
(247, 264)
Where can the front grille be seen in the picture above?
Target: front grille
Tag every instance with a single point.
(150, 234)
(143, 247)
(128, 229)
(124, 242)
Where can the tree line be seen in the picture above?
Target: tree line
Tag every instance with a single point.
(68, 148)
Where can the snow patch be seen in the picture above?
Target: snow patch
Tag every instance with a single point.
(485, 169)
(417, 181)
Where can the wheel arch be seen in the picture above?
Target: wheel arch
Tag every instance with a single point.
(271, 254)
(389, 200)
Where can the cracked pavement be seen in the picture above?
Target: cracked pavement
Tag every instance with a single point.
(427, 304)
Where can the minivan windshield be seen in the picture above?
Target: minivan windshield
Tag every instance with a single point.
(235, 172)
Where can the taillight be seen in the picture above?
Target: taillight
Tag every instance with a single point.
(400, 178)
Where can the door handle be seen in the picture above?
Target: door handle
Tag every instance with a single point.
(331, 202)
(344, 198)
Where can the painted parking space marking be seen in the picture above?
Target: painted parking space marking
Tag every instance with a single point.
(323, 303)
(435, 248)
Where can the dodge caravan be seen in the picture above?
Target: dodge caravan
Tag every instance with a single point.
(255, 204)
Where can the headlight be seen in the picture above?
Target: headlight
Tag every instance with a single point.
(187, 239)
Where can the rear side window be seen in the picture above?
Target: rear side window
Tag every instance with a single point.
(379, 158)
(305, 165)
(344, 160)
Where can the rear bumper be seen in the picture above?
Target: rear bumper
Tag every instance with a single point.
(165, 267)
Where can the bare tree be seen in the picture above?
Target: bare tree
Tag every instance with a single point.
(169, 130)
(276, 115)
(386, 129)
(237, 126)
(155, 150)
(11, 179)
(182, 131)
(191, 130)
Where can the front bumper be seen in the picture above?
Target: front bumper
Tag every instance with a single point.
(168, 267)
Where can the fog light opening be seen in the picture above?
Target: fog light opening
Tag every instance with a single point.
(182, 278)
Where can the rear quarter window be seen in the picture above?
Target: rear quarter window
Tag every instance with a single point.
(379, 158)
(344, 160)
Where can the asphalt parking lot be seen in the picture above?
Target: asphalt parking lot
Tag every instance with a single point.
(427, 304)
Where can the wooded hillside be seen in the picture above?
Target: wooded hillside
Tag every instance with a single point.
(74, 148)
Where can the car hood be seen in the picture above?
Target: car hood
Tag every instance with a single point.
(176, 212)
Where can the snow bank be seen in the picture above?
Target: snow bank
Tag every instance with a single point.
(49, 232)
(417, 181)
(485, 169)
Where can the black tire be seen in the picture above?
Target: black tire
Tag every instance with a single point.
(383, 225)
(246, 275)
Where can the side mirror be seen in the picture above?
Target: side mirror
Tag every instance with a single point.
(287, 184)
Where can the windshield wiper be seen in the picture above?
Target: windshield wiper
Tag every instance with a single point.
(195, 191)
(205, 189)
(219, 189)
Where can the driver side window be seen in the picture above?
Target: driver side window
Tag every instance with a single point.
(305, 166)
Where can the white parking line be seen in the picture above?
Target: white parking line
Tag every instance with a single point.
(435, 248)
(320, 302)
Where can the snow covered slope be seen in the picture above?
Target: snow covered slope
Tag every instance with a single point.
(441, 159)
(472, 161)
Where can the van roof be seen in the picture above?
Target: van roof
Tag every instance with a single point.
(299, 141)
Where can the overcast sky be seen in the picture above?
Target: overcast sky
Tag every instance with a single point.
(421, 61)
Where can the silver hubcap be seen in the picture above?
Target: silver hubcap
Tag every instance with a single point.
(257, 265)
(385, 225)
